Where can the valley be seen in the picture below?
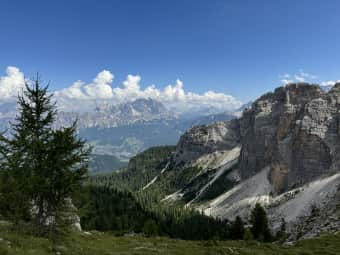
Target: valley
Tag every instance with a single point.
(175, 127)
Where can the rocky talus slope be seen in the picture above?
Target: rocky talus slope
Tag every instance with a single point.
(284, 152)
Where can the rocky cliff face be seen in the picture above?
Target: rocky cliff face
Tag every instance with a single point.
(284, 152)
(207, 139)
(294, 131)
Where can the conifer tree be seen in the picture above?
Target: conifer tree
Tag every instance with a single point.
(44, 165)
(260, 228)
(281, 234)
(247, 235)
(237, 229)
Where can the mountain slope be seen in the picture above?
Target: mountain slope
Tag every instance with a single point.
(105, 163)
(284, 152)
(290, 155)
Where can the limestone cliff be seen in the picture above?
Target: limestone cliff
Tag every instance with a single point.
(294, 131)
(284, 151)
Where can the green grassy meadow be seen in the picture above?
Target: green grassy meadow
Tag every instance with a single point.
(89, 243)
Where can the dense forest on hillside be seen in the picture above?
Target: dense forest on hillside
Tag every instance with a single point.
(106, 209)
(142, 169)
(123, 202)
(105, 163)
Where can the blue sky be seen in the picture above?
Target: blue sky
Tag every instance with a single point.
(235, 47)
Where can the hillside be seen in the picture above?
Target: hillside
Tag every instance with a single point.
(140, 170)
(105, 163)
(283, 152)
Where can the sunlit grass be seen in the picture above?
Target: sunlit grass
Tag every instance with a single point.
(105, 243)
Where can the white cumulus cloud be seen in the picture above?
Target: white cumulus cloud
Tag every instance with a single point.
(100, 88)
(82, 96)
(301, 76)
(12, 83)
(173, 95)
(329, 83)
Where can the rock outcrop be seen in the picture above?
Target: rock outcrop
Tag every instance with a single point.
(207, 139)
(294, 131)
(288, 155)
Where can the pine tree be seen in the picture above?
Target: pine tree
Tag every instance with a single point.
(44, 164)
(248, 235)
(150, 228)
(260, 228)
(281, 234)
(237, 229)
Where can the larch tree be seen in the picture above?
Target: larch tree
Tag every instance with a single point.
(40, 166)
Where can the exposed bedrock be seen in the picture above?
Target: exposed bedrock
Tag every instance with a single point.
(294, 131)
(288, 156)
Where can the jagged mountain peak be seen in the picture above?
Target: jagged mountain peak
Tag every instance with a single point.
(108, 115)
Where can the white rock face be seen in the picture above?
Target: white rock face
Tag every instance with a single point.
(205, 140)
(284, 152)
(320, 114)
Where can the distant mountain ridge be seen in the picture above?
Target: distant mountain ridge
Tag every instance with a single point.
(124, 130)
(107, 116)
(120, 131)
(125, 142)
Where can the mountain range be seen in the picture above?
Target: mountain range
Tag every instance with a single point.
(283, 152)
(118, 132)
